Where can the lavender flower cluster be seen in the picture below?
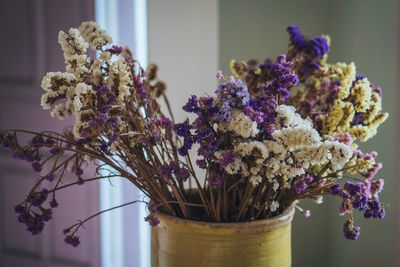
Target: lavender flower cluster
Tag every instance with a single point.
(275, 132)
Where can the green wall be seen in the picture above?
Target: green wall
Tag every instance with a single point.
(364, 32)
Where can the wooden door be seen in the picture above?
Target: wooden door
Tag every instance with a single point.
(29, 49)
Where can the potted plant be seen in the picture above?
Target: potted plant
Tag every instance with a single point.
(275, 132)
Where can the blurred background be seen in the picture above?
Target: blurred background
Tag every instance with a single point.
(190, 40)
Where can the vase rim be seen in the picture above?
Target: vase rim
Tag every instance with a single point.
(283, 218)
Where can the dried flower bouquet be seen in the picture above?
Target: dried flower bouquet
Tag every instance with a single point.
(274, 132)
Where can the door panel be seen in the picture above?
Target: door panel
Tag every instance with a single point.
(30, 49)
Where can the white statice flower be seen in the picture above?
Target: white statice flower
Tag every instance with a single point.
(77, 64)
(361, 94)
(46, 101)
(119, 71)
(94, 35)
(340, 152)
(105, 56)
(60, 112)
(236, 167)
(275, 147)
(96, 72)
(77, 104)
(255, 180)
(72, 43)
(274, 206)
(241, 125)
(297, 146)
(83, 88)
(78, 128)
(80, 91)
(288, 117)
(255, 148)
(297, 137)
(273, 167)
(313, 155)
(52, 80)
(318, 200)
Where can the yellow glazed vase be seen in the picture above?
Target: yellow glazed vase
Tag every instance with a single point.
(183, 243)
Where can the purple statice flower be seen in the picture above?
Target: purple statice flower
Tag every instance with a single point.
(296, 38)
(299, 186)
(152, 218)
(204, 136)
(72, 240)
(183, 130)
(209, 108)
(182, 174)
(267, 105)
(78, 171)
(50, 142)
(335, 189)
(317, 46)
(376, 89)
(37, 141)
(50, 177)
(225, 112)
(350, 231)
(374, 210)
(113, 122)
(201, 163)
(102, 89)
(227, 158)
(374, 170)
(163, 122)
(282, 78)
(47, 214)
(115, 49)
(7, 141)
(166, 172)
(344, 138)
(358, 119)
(187, 145)
(53, 203)
(233, 93)
(377, 186)
(353, 188)
(362, 196)
(99, 120)
(36, 166)
(55, 150)
(219, 75)
(35, 224)
(360, 77)
(191, 105)
(38, 198)
(256, 116)
(301, 183)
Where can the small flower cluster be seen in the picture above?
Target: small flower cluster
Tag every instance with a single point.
(274, 133)
(289, 128)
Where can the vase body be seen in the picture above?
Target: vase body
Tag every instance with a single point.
(183, 243)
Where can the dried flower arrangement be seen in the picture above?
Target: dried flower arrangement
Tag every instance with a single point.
(274, 133)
